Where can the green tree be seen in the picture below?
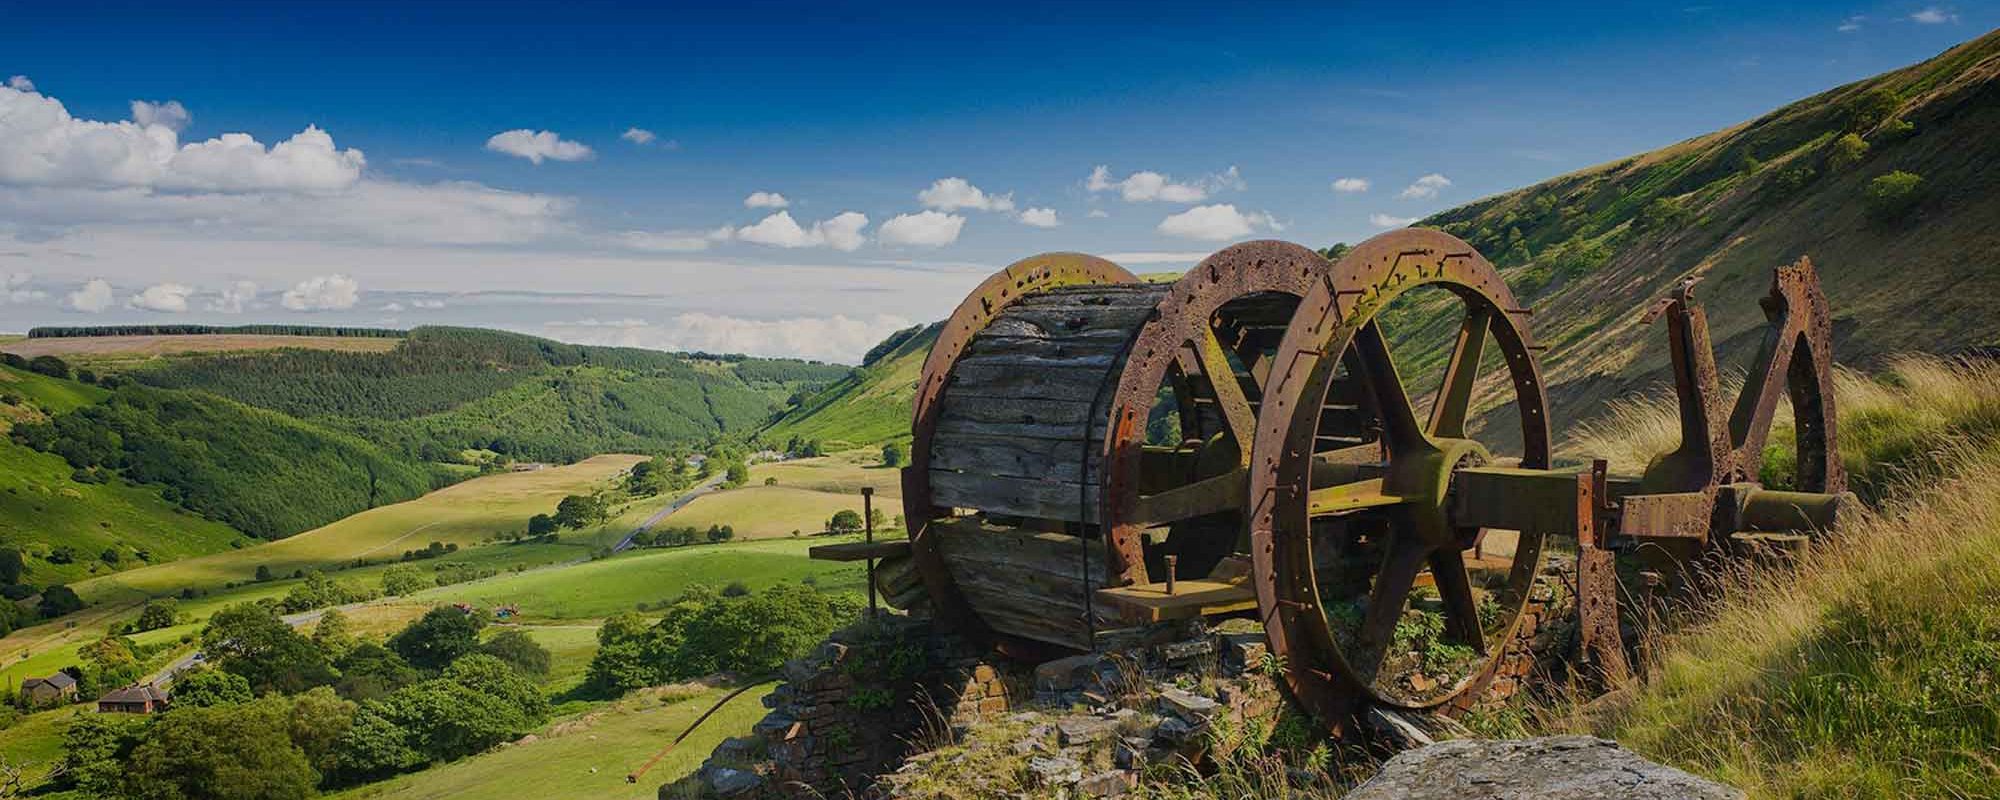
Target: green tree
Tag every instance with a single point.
(49, 365)
(892, 455)
(721, 533)
(59, 600)
(318, 719)
(1848, 151)
(158, 613)
(12, 566)
(404, 579)
(373, 746)
(438, 638)
(1894, 194)
(541, 525)
(1869, 109)
(579, 511)
(736, 475)
(249, 639)
(520, 651)
(844, 521)
(202, 687)
(110, 662)
(225, 753)
(332, 636)
(94, 752)
(371, 671)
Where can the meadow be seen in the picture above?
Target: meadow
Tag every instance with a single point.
(807, 492)
(121, 351)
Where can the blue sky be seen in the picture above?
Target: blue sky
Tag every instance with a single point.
(410, 202)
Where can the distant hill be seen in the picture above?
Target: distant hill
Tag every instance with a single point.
(870, 406)
(1903, 272)
(1589, 250)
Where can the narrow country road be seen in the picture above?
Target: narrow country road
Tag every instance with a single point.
(700, 489)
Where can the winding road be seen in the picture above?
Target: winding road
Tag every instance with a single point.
(679, 502)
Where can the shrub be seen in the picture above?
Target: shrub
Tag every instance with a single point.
(1848, 151)
(1894, 194)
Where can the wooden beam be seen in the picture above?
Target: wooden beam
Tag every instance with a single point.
(1149, 602)
(860, 551)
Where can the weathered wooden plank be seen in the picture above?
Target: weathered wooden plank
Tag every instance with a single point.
(859, 551)
(969, 540)
(1049, 353)
(1063, 321)
(1011, 456)
(1076, 384)
(1022, 497)
(1207, 496)
(1150, 602)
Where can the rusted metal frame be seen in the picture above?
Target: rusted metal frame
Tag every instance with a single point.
(1331, 313)
(1704, 452)
(1003, 288)
(1796, 357)
(1600, 647)
(1454, 397)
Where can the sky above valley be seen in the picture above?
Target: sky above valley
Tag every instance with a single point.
(802, 179)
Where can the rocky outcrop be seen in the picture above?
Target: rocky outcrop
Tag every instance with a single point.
(1548, 768)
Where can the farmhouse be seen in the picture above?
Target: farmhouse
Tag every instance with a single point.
(143, 698)
(57, 688)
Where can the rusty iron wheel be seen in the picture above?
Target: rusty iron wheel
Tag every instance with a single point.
(1349, 486)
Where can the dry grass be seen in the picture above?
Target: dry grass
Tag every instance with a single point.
(136, 348)
(1872, 667)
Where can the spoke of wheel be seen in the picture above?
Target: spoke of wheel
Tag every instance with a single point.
(1454, 397)
(1461, 612)
(1399, 418)
(1348, 497)
(1228, 393)
(1393, 582)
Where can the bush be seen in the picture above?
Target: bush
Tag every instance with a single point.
(157, 614)
(1893, 195)
(1848, 151)
(520, 651)
(844, 521)
(438, 638)
(704, 632)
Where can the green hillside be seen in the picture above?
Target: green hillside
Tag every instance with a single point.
(1909, 264)
(42, 508)
(869, 406)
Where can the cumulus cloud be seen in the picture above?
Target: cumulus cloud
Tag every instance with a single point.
(842, 232)
(234, 298)
(1425, 187)
(41, 144)
(1041, 217)
(170, 115)
(838, 338)
(1098, 213)
(1350, 185)
(952, 194)
(1217, 223)
(1385, 221)
(20, 83)
(538, 146)
(922, 229)
(765, 200)
(167, 298)
(1934, 15)
(1148, 186)
(95, 296)
(14, 289)
(323, 293)
(639, 136)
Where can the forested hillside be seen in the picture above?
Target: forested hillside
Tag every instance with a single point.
(870, 406)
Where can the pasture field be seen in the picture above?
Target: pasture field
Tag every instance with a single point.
(807, 493)
(844, 472)
(464, 514)
(588, 756)
(127, 350)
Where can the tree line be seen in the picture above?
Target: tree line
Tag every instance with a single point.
(59, 332)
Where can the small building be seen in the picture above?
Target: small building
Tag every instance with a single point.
(52, 690)
(143, 698)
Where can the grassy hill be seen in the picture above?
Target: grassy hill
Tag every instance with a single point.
(869, 406)
(1914, 271)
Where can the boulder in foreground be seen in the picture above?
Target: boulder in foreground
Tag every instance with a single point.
(1547, 768)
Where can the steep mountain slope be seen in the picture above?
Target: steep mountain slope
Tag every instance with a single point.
(870, 406)
(1917, 272)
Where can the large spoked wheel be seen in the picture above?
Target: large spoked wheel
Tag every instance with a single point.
(1371, 593)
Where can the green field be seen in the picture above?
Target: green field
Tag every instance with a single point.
(807, 493)
(868, 407)
(589, 756)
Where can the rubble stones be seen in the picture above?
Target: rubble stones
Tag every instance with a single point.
(1190, 707)
(1053, 771)
(1084, 730)
(1548, 768)
(1110, 783)
(728, 782)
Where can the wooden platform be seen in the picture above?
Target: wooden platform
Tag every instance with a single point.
(1149, 602)
(860, 551)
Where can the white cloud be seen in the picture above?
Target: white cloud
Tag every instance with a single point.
(538, 146)
(1217, 223)
(952, 194)
(1142, 259)
(1425, 187)
(168, 298)
(431, 304)
(838, 338)
(1098, 213)
(323, 293)
(1851, 24)
(1934, 16)
(765, 200)
(234, 299)
(922, 229)
(1386, 221)
(170, 115)
(42, 145)
(14, 289)
(393, 308)
(1351, 185)
(95, 296)
(639, 136)
(673, 241)
(1148, 186)
(20, 83)
(842, 232)
(1041, 217)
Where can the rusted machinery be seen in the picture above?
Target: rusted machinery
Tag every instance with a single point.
(1093, 451)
